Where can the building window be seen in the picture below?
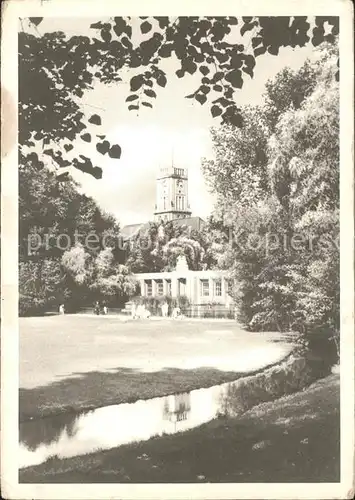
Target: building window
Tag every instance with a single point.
(218, 288)
(159, 287)
(205, 288)
(168, 287)
(180, 202)
(148, 288)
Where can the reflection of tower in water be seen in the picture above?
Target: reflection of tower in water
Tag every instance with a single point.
(177, 407)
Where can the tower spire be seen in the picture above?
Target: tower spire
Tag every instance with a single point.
(172, 155)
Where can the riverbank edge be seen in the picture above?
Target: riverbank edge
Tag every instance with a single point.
(192, 381)
(249, 437)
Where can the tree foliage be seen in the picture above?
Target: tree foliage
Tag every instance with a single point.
(53, 217)
(282, 206)
(56, 71)
(157, 247)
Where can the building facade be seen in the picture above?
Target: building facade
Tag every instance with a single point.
(203, 289)
(172, 200)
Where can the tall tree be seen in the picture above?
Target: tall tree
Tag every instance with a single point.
(285, 217)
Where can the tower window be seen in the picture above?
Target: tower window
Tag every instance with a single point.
(180, 202)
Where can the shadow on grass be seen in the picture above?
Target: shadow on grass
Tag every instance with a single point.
(85, 391)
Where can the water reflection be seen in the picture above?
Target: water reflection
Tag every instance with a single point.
(117, 425)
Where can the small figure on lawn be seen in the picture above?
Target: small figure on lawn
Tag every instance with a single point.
(104, 308)
(165, 309)
(176, 313)
(134, 311)
(97, 308)
(61, 309)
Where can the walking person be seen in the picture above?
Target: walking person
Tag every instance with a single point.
(97, 308)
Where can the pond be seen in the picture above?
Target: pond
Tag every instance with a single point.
(73, 434)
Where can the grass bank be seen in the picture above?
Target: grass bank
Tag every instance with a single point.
(124, 385)
(293, 439)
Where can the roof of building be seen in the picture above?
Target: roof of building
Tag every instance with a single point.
(193, 222)
(131, 230)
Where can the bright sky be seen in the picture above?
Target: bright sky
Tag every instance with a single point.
(175, 126)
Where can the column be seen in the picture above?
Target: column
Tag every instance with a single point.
(165, 287)
(211, 288)
(174, 287)
(154, 288)
(142, 283)
(223, 285)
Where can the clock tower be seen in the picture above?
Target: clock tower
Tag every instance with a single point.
(172, 194)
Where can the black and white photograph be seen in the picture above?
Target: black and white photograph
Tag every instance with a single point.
(177, 266)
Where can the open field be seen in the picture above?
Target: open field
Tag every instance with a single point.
(293, 439)
(70, 363)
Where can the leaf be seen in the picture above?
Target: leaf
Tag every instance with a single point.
(204, 70)
(126, 42)
(274, 50)
(63, 177)
(102, 147)
(131, 107)
(161, 80)
(205, 89)
(150, 93)
(132, 97)
(256, 41)
(101, 136)
(235, 78)
(147, 104)
(259, 51)
(166, 50)
(236, 120)
(146, 27)
(216, 111)
(217, 88)
(97, 25)
(86, 137)
(190, 67)
(49, 152)
(95, 120)
(36, 20)
(115, 152)
(97, 172)
(106, 35)
(218, 76)
(136, 82)
(201, 98)
(246, 27)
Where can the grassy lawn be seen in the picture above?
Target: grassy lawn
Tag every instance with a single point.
(71, 363)
(293, 439)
